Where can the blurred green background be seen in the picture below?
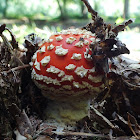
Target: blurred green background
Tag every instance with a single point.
(46, 16)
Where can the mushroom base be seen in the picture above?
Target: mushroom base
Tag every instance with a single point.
(66, 113)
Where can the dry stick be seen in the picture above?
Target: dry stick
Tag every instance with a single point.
(68, 133)
(16, 68)
(127, 103)
(103, 117)
(130, 126)
(127, 82)
(24, 119)
(36, 135)
(90, 8)
(7, 43)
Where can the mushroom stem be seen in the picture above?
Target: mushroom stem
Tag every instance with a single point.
(66, 113)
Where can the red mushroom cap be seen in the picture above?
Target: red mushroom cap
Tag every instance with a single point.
(63, 68)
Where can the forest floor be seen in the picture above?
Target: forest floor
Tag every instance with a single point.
(114, 114)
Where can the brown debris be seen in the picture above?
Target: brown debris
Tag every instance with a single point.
(114, 114)
(32, 44)
(107, 34)
(9, 85)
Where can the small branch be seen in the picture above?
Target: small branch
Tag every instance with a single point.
(130, 126)
(80, 134)
(24, 124)
(6, 42)
(90, 9)
(37, 135)
(121, 27)
(16, 68)
(127, 103)
(69, 133)
(10, 47)
(14, 43)
(2, 28)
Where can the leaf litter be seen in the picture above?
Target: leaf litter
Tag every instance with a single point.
(115, 113)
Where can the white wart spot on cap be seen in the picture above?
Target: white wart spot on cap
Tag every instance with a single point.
(47, 80)
(65, 32)
(60, 51)
(70, 40)
(76, 32)
(67, 87)
(87, 56)
(79, 44)
(86, 42)
(76, 56)
(33, 74)
(59, 38)
(87, 85)
(40, 43)
(92, 70)
(67, 78)
(92, 34)
(94, 89)
(81, 71)
(37, 65)
(95, 79)
(92, 39)
(78, 85)
(84, 31)
(34, 56)
(98, 39)
(50, 47)
(45, 60)
(42, 49)
(53, 69)
(31, 64)
(86, 36)
(50, 40)
(70, 67)
(61, 74)
(56, 33)
(45, 40)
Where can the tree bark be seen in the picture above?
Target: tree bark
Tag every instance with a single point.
(64, 7)
(62, 14)
(126, 9)
(84, 10)
(96, 5)
(5, 9)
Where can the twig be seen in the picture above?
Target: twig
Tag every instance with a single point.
(103, 118)
(7, 43)
(24, 124)
(10, 48)
(127, 103)
(16, 68)
(14, 43)
(129, 124)
(90, 10)
(68, 133)
(34, 137)
(128, 82)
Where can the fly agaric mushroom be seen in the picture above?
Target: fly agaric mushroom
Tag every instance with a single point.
(63, 70)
